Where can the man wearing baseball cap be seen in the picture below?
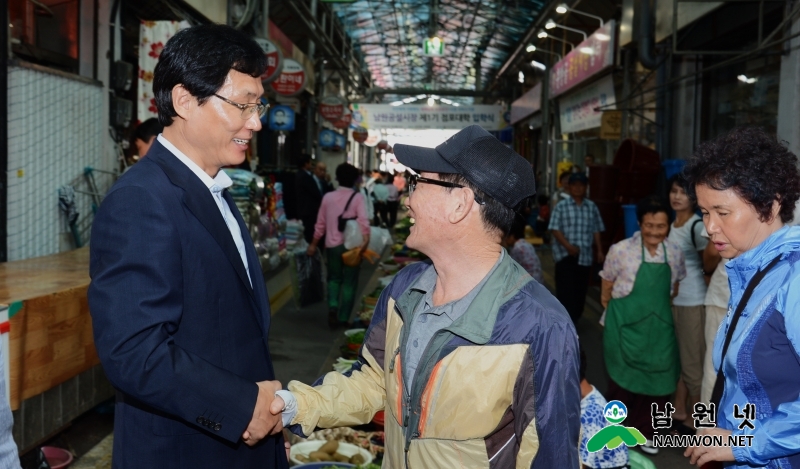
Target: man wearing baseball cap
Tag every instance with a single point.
(474, 362)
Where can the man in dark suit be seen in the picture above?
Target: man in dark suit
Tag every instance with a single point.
(179, 305)
(309, 190)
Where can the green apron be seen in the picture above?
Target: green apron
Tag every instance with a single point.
(640, 348)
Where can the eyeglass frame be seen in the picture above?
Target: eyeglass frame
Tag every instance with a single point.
(245, 107)
(414, 179)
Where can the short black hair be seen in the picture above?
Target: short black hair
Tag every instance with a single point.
(147, 130)
(759, 168)
(679, 179)
(303, 160)
(495, 215)
(347, 175)
(200, 58)
(518, 227)
(652, 204)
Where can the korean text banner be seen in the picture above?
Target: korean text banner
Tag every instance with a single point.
(578, 111)
(384, 116)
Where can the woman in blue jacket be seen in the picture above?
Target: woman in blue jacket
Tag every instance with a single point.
(746, 184)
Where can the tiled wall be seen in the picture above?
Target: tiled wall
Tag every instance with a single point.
(55, 130)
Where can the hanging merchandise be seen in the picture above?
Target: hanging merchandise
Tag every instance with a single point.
(332, 108)
(153, 35)
(360, 134)
(291, 80)
(281, 118)
(274, 60)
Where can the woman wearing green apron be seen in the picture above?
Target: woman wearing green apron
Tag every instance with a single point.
(640, 278)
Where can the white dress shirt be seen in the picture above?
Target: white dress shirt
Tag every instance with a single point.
(215, 185)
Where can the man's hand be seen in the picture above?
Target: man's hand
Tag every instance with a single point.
(264, 422)
(573, 250)
(700, 455)
(311, 250)
(601, 258)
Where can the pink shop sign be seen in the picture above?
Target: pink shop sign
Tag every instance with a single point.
(590, 57)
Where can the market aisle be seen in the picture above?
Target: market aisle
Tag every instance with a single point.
(301, 344)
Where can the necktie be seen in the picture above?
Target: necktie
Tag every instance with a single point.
(233, 226)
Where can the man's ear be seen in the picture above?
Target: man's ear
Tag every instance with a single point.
(461, 201)
(182, 101)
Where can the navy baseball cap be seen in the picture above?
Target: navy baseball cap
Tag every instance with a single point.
(578, 177)
(481, 159)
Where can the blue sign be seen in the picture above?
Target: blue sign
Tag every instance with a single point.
(341, 142)
(281, 118)
(330, 140)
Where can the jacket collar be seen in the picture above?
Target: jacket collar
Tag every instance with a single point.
(741, 269)
(200, 202)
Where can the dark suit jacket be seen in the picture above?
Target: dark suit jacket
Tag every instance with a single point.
(309, 198)
(180, 332)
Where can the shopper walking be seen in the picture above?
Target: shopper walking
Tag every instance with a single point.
(309, 190)
(392, 201)
(640, 278)
(381, 195)
(688, 310)
(345, 203)
(747, 185)
(575, 226)
(717, 297)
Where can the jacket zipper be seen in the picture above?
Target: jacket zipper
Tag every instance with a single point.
(411, 433)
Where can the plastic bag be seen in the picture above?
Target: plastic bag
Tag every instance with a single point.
(309, 278)
(352, 258)
(379, 239)
(352, 235)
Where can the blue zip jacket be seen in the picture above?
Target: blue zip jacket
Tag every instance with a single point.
(762, 364)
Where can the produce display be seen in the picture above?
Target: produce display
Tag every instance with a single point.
(327, 452)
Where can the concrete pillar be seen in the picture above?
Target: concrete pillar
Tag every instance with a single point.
(789, 93)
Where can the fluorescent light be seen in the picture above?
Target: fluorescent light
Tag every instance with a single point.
(602, 37)
(561, 9)
(409, 100)
(538, 65)
(420, 96)
(530, 48)
(456, 104)
(434, 96)
(446, 101)
(542, 34)
(431, 101)
(586, 50)
(397, 103)
(521, 77)
(745, 79)
(550, 24)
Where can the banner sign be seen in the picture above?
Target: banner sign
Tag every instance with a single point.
(291, 80)
(385, 116)
(274, 60)
(578, 110)
(527, 104)
(590, 57)
(281, 118)
(360, 134)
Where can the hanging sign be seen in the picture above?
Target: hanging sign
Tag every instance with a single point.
(578, 110)
(274, 60)
(341, 143)
(360, 134)
(590, 57)
(332, 108)
(433, 47)
(373, 137)
(327, 139)
(385, 116)
(281, 118)
(291, 80)
(611, 125)
(344, 121)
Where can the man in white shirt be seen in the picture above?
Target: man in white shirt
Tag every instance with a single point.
(179, 306)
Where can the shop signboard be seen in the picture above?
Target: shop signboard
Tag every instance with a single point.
(291, 80)
(578, 110)
(274, 60)
(360, 134)
(527, 104)
(385, 116)
(327, 139)
(281, 118)
(332, 108)
(373, 137)
(589, 58)
(340, 142)
(344, 121)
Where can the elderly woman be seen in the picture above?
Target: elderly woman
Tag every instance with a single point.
(640, 278)
(746, 184)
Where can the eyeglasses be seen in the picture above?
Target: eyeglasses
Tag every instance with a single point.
(412, 184)
(247, 109)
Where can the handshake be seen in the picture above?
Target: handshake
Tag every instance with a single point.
(267, 419)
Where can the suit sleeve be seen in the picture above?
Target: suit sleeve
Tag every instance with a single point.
(136, 303)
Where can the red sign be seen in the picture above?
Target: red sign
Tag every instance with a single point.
(274, 59)
(344, 121)
(360, 134)
(291, 80)
(383, 145)
(591, 56)
(332, 108)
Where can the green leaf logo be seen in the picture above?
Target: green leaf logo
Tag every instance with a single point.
(614, 435)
